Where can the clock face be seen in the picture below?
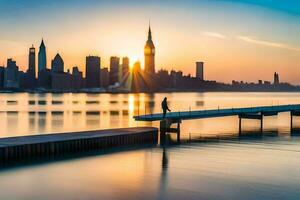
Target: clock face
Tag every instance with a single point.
(153, 51)
(147, 50)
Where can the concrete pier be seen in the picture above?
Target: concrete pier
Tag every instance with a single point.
(50, 145)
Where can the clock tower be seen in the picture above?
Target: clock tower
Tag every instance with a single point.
(149, 53)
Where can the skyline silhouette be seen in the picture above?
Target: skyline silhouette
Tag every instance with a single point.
(228, 36)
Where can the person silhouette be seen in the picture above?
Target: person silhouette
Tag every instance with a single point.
(164, 106)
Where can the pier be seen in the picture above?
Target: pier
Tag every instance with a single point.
(50, 145)
(255, 113)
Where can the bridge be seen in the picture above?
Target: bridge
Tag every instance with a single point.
(256, 113)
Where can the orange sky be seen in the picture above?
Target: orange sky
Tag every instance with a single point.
(236, 41)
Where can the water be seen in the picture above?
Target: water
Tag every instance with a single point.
(250, 167)
(27, 114)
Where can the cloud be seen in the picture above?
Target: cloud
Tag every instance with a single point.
(214, 34)
(253, 40)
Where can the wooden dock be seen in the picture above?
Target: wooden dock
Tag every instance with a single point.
(49, 145)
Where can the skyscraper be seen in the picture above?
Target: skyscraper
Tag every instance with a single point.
(77, 79)
(149, 53)
(11, 74)
(31, 62)
(114, 70)
(92, 71)
(42, 59)
(104, 77)
(199, 70)
(57, 64)
(125, 67)
(276, 78)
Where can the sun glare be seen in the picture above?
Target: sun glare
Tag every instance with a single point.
(132, 60)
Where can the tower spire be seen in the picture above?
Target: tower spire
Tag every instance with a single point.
(149, 32)
(42, 43)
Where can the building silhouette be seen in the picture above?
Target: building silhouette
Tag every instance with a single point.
(77, 79)
(42, 59)
(133, 79)
(149, 53)
(57, 64)
(93, 71)
(28, 79)
(276, 78)
(11, 75)
(125, 69)
(104, 77)
(61, 81)
(44, 79)
(31, 62)
(199, 70)
(114, 70)
(2, 69)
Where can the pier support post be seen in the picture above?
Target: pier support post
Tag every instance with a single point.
(240, 125)
(178, 132)
(261, 123)
(165, 127)
(255, 116)
(291, 113)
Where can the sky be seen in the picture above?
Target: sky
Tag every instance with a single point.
(237, 39)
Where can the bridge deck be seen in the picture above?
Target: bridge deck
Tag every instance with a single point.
(187, 115)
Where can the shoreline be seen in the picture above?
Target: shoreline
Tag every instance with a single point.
(150, 92)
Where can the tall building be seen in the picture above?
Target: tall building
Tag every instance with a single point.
(199, 70)
(2, 69)
(276, 78)
(61, 81)
(92, 71)
(57, 64)
(11, 74)
(114, 70)
(104, 77)
(44, 79)
(125, 67)
(42, 59)
(149, 53)
(31, 62)
(77, 79)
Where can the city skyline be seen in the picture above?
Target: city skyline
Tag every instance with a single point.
(252, 49)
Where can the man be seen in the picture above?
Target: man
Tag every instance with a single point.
(164, 106)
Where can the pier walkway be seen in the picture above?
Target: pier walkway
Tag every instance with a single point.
(200, 114)
(49, 145)
(243, 113)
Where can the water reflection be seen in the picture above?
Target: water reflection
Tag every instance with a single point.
(41, 121)
(117, 110)
(163, 182)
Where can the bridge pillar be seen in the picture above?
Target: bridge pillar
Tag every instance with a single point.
(178, 132)
(291, 113)
(165, 127)
(240, 125)
(294, 113)
(251, 116)
(261, 123)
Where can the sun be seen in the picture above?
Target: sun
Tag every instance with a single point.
(132, 60)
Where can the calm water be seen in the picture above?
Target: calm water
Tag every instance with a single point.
(261, 167)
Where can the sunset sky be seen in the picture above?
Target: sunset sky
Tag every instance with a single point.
(241, 40)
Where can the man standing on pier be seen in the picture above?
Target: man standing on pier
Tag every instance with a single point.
(164, 106)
